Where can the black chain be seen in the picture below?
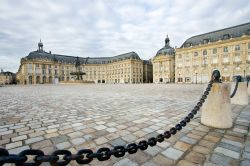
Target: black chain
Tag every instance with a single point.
(85, 156)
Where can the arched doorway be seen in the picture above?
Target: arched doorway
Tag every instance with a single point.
(30, 79)
(44, 79)
(37, 79)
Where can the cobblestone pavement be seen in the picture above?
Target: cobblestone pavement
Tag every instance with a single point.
(74, 117)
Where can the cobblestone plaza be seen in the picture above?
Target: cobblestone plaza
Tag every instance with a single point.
(74, 117)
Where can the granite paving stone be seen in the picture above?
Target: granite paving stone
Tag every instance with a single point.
(188, 140)
(195, 157)
(153, 150)
(172, 153)
(34, 139)
(160, 160)
(63, 145)
(125, 162)
(182, 146)
(226, 152)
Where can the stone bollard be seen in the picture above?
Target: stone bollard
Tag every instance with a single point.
(217, 111)
(241, 96)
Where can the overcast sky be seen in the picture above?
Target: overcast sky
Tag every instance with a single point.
(97, 28)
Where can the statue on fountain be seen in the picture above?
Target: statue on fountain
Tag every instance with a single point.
(78, 73)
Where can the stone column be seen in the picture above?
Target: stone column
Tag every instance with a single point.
(216, 111)
(241, 95)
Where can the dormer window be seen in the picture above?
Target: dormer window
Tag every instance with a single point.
(226, 36)
(237, 47)
(205, 41)
(204, 52)
(225, 49)
(187, 44)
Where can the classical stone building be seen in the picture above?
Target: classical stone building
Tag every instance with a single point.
(163, 64)
(227, 50)
(7, 78)
(44, 67)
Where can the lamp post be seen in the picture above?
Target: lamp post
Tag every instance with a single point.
(179, 77)
(244, 73)
(195, 77)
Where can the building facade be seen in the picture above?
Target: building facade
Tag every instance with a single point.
(41, 67)
(227, 50)
(7, 78)
(163, 64)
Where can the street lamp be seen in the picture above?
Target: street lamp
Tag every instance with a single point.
(244, 73)
(179, 77)
(195, 76)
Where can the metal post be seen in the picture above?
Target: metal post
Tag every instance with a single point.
(179, 77)
(196, 77)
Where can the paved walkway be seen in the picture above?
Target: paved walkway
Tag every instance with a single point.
(73, 117)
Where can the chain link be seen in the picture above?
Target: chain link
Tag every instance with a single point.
(85, 156)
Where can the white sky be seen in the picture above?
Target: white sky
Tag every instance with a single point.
(97, 28)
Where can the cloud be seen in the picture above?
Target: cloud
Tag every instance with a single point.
(108, 27)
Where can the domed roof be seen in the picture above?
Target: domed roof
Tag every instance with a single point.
(167, 49)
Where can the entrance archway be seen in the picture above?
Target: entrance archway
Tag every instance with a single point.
(37, 79)
(30, 79)
(44, 79)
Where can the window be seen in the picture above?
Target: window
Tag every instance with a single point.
(248, 57)
(204, 52)
(204, 61)
(29, 68)
(248, 45)
(187, 61)
(196, 53)
(237, 48)
(237, 57)
(195, 62)
(205, 41)
(215, 51)
(225, 49)
(226, 36)
(37, 65)
(214, 59)
(225, 59)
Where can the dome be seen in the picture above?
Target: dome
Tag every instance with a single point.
(167, 49)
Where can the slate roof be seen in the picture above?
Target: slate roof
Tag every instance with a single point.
(167, 49)
(86, 60)
(222, 34)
